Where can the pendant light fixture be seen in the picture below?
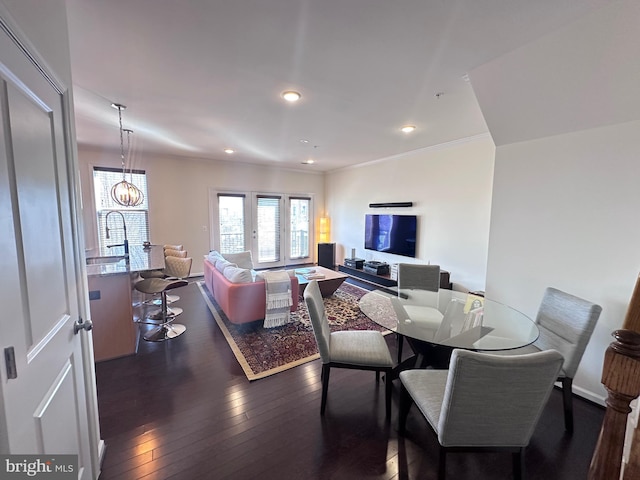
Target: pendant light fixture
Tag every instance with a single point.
(125, 193)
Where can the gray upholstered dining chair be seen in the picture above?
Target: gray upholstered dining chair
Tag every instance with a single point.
(358, 349)
(566, 323)
(483, 402)
(419, 285)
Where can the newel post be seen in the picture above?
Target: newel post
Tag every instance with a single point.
(621, 378)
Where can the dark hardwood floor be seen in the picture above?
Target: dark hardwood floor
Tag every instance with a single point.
(183, 409)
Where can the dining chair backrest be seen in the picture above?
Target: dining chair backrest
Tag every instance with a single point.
(419, 277)
(493, 400)
(566, 323)
(317, 314)
(419, 284)
(177, 267)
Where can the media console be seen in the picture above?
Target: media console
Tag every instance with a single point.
(385, 280)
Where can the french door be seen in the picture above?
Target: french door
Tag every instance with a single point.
(276, 227)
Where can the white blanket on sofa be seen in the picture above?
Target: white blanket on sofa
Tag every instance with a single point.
(278, 296)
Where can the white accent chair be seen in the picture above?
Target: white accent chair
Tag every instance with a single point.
(483, 402)
(358, 349)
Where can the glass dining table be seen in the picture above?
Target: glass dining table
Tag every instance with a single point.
(435, 323)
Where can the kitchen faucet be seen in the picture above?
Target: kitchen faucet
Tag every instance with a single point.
(124, 227)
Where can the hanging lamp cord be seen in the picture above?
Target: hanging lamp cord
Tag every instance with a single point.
(121, 140)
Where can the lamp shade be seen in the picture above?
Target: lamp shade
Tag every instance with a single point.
(324, 229)
(126, 194)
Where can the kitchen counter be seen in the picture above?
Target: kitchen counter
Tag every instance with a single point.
(140, 259)
(112, 297)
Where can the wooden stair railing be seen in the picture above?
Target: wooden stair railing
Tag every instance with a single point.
(621, 378)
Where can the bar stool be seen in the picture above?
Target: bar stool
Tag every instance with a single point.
(169, 252)
(176, 268)
(173, 247)
(173, 270)
(166, 329)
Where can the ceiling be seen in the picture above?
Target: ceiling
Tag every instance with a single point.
(199, 76)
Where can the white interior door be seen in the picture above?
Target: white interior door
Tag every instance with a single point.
(43, 403)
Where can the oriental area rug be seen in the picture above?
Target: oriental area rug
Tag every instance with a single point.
(262, 352)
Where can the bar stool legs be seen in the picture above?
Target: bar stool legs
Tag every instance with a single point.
(166, 329)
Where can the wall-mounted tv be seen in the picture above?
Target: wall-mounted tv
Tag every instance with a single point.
(391, 234)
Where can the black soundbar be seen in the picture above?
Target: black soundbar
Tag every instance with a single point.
(391, 204)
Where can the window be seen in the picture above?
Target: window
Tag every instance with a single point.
(268, 228)
(231, 222)
(136, 218)
(276, 227)
(299, 212)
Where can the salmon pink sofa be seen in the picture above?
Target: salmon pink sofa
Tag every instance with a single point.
(241, 302)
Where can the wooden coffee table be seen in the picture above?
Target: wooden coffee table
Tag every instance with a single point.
(328, 284)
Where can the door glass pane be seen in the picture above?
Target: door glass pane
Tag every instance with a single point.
(299, 217)
(268, 229)
(231, 214)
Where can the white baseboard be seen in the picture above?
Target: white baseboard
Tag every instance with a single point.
(586, 394)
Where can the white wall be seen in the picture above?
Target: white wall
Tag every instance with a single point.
(582, 76)
(178, 193)
(450, 187)
(564, 215)
(565, 114)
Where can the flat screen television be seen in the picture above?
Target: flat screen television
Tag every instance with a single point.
(391, 234)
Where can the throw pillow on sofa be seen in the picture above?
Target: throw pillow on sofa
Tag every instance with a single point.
(222, 264)
(213, 255)
(242, 259)
(238, 275)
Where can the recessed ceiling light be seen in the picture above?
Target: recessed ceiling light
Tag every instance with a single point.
(304, 141)
(291, 96)
(229, 150)
(408, 128)
(308, 161)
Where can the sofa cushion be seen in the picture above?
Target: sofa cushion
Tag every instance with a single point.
(222, 263)
(237, 274)
(242, 259)
(213, 255)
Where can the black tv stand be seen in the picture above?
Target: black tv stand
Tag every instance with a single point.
(382, 280)
(385, 280)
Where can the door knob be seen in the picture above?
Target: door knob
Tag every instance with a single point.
(82, 325)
